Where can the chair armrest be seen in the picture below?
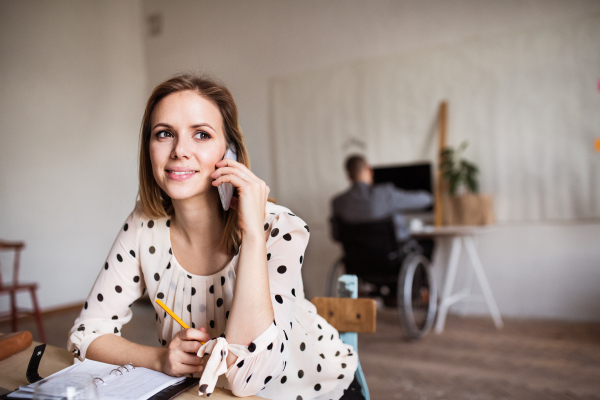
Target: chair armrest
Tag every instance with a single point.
(348, 315)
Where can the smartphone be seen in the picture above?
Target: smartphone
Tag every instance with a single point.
(226, 189)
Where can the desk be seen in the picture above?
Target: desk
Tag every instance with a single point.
(459, 236)
(12, 371)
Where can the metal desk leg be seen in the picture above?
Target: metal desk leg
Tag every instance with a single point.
(485, 286)
(448, 285)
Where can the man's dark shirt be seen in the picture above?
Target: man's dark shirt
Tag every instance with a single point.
(367, 203)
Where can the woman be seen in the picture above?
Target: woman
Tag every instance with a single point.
(243, 298)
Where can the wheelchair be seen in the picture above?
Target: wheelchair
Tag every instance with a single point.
(372, 253)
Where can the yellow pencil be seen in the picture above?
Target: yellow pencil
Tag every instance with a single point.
(172, 314)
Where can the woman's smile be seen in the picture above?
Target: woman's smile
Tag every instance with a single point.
(180, 173)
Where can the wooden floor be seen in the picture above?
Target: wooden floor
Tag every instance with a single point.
(471, 360)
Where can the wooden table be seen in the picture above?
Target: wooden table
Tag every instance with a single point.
(459, 236)
(13, 369)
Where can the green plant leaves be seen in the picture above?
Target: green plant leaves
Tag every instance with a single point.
(458, 171)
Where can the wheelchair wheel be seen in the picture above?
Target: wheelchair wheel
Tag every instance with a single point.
(339, 269)
(417, 296)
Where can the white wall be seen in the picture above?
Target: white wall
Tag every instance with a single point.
(73, 87)
(248, 43)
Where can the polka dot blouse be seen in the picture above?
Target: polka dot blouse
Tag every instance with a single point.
(300, 356)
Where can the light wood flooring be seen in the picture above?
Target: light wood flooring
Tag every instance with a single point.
(527, 359)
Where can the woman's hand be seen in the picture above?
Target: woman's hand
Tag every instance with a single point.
(181, 357)
(252, 194)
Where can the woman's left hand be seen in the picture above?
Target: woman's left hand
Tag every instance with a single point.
(252, 194)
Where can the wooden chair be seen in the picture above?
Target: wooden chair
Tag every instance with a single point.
(350, 316)
(15, 287)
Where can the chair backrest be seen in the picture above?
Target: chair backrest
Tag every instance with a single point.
(371, 250)
(16, 247)
(348, 315)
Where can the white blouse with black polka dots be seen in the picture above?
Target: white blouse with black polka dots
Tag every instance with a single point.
(300, 356)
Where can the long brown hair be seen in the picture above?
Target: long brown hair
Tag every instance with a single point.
(155, 202)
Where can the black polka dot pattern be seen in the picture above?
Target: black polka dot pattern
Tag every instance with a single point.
(85, 306)
(165, 281)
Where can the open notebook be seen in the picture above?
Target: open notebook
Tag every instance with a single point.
(116, 382)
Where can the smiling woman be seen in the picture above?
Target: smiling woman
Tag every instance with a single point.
(233, 276)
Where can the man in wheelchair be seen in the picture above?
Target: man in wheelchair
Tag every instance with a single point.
(368, 220)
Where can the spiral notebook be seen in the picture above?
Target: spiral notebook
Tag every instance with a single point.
(121, 382)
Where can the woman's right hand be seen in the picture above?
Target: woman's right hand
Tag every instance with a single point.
(181, 357)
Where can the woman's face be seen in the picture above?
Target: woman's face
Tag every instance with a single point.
(186, 141)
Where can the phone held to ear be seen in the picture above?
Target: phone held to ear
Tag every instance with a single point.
(226, 189)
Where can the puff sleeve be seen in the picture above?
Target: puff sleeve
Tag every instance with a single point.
(119, 283)
(266, 357)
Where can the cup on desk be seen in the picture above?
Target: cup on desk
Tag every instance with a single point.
(67, 387)
(416, 225)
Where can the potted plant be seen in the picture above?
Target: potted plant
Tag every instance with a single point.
(463, 205)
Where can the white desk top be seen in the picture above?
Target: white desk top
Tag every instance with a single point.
(434, 231)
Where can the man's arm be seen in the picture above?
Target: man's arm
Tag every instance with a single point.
(410, 199)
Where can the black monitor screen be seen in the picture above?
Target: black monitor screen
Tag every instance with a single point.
(407, 177)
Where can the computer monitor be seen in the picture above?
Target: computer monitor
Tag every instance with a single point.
(408, 176)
